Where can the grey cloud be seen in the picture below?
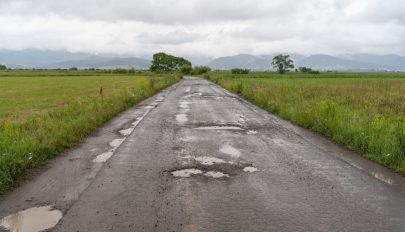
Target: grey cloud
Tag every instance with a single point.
(174, 37)
(205, 27)
(151, 11)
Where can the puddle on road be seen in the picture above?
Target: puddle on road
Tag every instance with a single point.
(206, 160)
(251, 132)
(116, 142)
(127, 132)
(214, 174)
(181, 118)
(229, 150)
(32, 220)
(250, 169)
(184, 173)
(218, 128)
(103, 157)
(150, 107)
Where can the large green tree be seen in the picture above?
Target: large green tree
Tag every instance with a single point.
(163, 62)
(3, 67)
(282, 63)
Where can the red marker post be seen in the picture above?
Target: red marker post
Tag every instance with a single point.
(101, 93)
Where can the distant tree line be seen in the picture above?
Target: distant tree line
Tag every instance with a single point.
(307, 70)
(240, 71)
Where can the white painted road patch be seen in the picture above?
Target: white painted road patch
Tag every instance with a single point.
(103, 157)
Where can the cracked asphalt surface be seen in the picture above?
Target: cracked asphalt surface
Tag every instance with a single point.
(198, 158)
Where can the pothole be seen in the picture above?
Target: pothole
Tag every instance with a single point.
(184, 173)
(215, 174)
(32, 220)
(250, 169)
(181, 118)
(229, 150)
(184, 105)
(219, 128)
(206, 160)
(251, 132)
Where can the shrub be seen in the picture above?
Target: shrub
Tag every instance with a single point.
(198, 70)
(186, 69)
(240, 71)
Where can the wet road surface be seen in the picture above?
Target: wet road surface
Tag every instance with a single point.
(198, 158)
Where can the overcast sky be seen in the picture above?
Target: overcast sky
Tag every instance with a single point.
(205, 27)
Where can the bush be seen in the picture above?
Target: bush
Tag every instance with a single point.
(240, 71)
(186, 69)
(198, 70)
(308, 70)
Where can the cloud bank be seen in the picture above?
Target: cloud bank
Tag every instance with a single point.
(204, 27)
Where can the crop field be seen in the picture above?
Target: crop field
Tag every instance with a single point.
(364, 111)
(44, 112)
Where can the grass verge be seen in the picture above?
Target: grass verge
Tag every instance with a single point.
(364, 111)
(42, 115)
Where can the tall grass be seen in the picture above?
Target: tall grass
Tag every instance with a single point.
(366, 112)
(26, 142)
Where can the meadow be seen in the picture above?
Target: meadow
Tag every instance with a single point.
(44, 112)
(363, 111)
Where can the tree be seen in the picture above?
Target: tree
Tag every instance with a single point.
(163, 62)
(3, 67)
(282, 63)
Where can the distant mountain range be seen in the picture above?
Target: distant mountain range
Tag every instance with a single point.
(358, 62)
(62, 59)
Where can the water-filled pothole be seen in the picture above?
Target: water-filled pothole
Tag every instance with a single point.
(184, 173)
(181, 118)
(215, 174)
(32, 220)
(250, 169)
(206, 160)
(229, 150)
(219, 128)
(251, 132)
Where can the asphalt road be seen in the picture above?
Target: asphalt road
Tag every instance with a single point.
(198, 158)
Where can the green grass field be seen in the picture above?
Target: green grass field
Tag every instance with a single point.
(44, 112)
(364, 111)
